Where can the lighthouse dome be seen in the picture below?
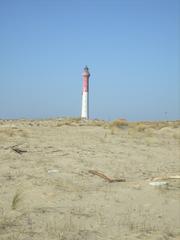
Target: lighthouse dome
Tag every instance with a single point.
(86, 71)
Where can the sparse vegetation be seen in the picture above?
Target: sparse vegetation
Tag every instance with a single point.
(79, 122)
(16, 200)
(149, 128)
(119, 123)
(70, 203)
(68, 122)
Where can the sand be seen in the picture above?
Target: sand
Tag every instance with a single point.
(48, 193)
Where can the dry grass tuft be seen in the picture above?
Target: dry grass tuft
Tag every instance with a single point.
(119, 123)
(68, 122)
(141, 127)
(16, 199)
(149, 126)
(115, 125)
(79, 122)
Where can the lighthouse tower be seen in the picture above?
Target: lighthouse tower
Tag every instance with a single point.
(85, 94)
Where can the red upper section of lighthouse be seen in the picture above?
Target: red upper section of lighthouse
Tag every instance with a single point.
(85, 85)
(86, 76)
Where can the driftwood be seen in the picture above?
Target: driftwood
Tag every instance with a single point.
(166, 178)
(17, 150)
(102, 175)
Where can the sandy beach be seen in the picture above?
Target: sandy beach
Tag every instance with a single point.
(48, 190)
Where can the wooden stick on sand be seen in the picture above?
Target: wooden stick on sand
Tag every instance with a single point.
(102, 175)
(166, 178)
(17, 150)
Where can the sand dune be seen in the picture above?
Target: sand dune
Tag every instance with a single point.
(47, 191)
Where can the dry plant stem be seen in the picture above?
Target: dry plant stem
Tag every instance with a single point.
(166, 178)
(110, 180)
(16, 200)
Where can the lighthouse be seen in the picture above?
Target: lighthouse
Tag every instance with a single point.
(85, 94)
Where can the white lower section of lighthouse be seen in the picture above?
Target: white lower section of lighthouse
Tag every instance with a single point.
(85, 105)
(85, 94)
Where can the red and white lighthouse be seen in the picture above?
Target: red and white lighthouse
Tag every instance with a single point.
(85, 94)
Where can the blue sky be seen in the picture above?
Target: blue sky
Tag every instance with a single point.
(132, 48)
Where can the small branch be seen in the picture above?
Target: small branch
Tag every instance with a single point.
(17, 150)
(166, 178)
(102, 175)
